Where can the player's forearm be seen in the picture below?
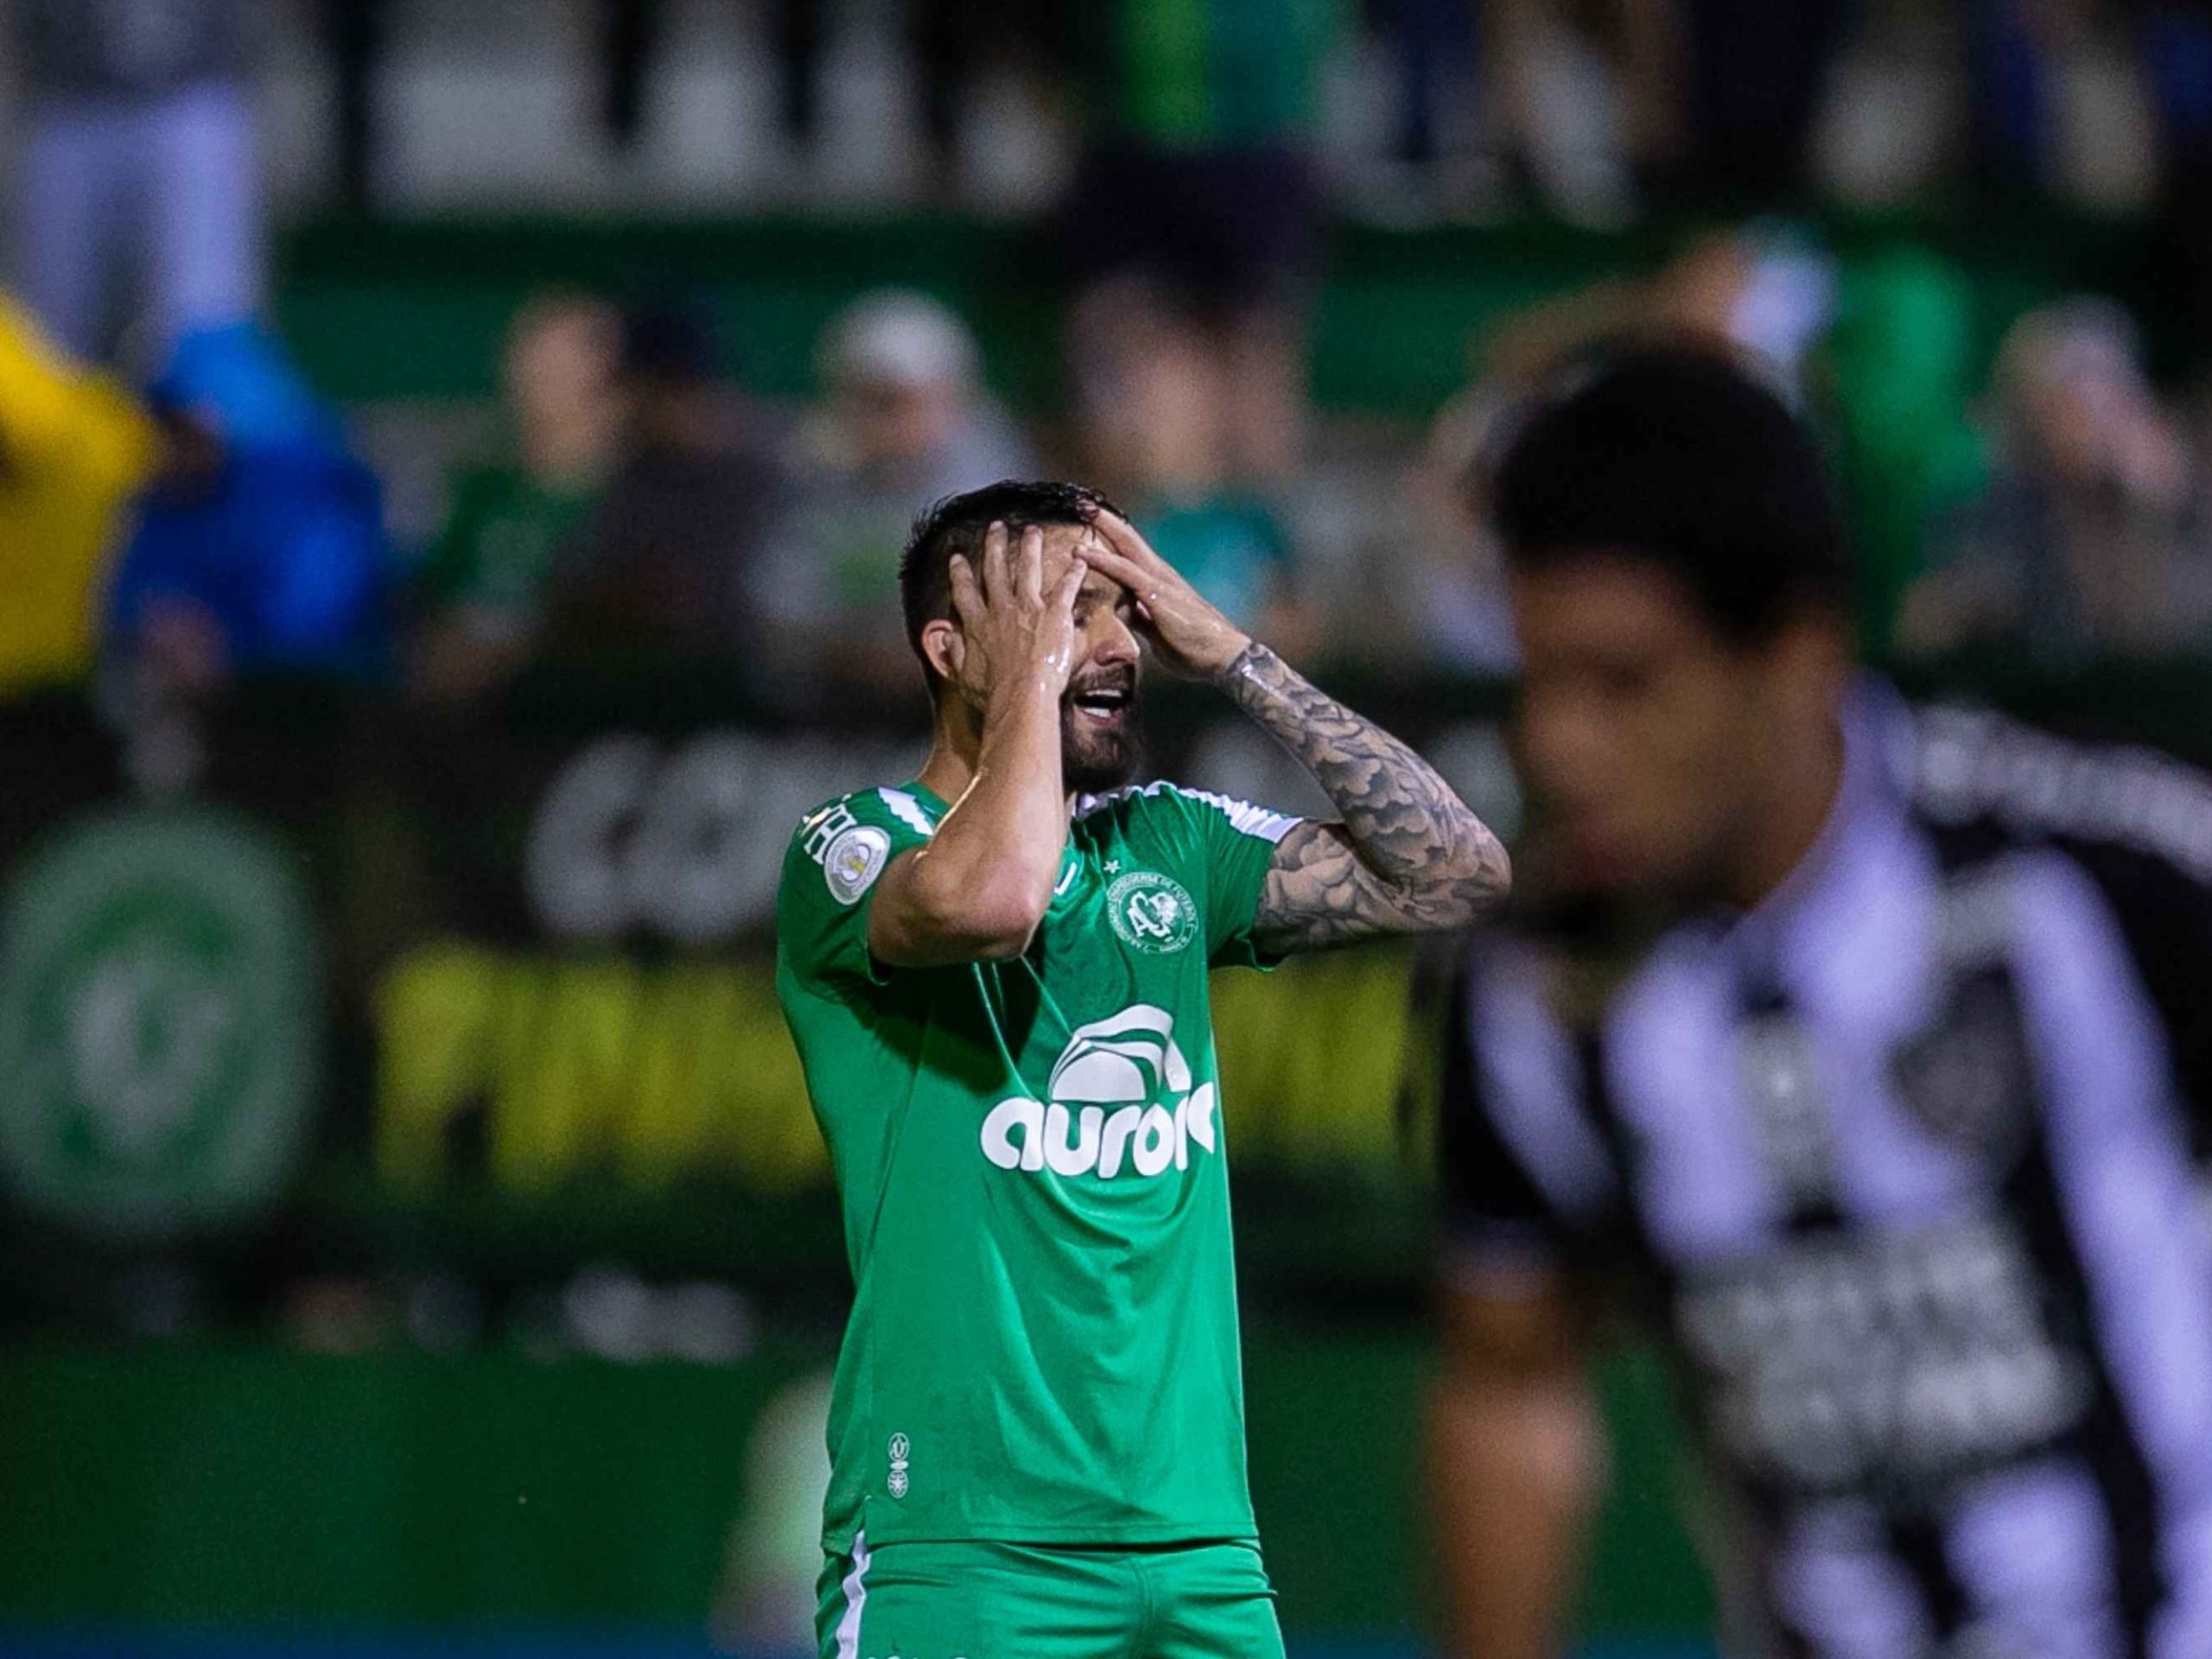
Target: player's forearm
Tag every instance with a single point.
(1512, 1474)
(1404, 823)
(990, 868)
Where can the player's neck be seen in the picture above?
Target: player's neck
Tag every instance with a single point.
(1788, 831)
(951, 766)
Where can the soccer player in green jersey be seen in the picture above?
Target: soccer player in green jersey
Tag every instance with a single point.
(995, 973)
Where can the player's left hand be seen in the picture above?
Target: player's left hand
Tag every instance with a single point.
(1188, 635)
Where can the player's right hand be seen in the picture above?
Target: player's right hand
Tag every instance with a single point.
(1015, 632)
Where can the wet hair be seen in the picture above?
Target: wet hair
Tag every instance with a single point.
(958, 523)
(1678, 455)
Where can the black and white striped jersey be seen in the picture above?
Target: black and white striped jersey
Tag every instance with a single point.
(1903, 1168)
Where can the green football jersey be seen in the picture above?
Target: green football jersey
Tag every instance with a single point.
(1042, 1345)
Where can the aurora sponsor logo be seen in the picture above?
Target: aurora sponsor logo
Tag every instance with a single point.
(1121, 1103)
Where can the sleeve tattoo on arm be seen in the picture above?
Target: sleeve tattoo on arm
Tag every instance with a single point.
(1408, 857)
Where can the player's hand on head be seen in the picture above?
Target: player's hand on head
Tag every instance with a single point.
(1014, 628)
(1188, 634)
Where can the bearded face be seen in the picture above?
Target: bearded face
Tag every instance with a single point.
(1098, 748)
(1098, 744)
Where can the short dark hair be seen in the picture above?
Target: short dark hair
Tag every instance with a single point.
(957, 524)
(1677, 455)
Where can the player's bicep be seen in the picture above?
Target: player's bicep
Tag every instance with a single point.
(903, 929)
(1318, 894)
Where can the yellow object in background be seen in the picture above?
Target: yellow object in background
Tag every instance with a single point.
(75, 446)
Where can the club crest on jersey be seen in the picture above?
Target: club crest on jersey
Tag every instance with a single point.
(852, 862)
(1121, 1100)
(1152, 912)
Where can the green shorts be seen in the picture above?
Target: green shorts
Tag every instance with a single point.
(1021, 1601)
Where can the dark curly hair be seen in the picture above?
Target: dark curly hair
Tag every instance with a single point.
(958, 524)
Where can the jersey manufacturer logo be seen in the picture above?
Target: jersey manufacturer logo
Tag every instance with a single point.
(1152, 912)
(901, 1450)
(1120, 1101)
(852, 862)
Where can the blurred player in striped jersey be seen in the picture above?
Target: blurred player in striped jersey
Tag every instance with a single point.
(1859, 1056)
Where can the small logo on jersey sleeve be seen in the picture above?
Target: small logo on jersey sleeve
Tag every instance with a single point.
(901, 1455)
(1152, 912)
(854, 860)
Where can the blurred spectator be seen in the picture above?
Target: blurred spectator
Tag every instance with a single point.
(630, 33)
(355, 33)
(1196, 205)
(484, 588)
(2008, 48)
(1856, 1055)
(1895, 381)
(955, 41)
(1747, 86)
(1234, 550)
(2018, 55)
(1156, 431)
(2092, 534)
(1459, 615)
(664, 564)
(262, 547)
(1644, 40)
(1436, 47)
(140, 194)
(74, 448)
(1716, 99)
(949, 40)
(1764, 288)
(1880, 346)
(904, 422)
(2174, 45)
(1759, 290)
(1506, 58)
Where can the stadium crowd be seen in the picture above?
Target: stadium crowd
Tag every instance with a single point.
(201, 511)
(217, 521)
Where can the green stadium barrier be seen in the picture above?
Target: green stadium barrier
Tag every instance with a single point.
(216, 1486)
(417, 310)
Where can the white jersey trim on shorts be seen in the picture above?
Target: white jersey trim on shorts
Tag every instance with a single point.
(856, 1588)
